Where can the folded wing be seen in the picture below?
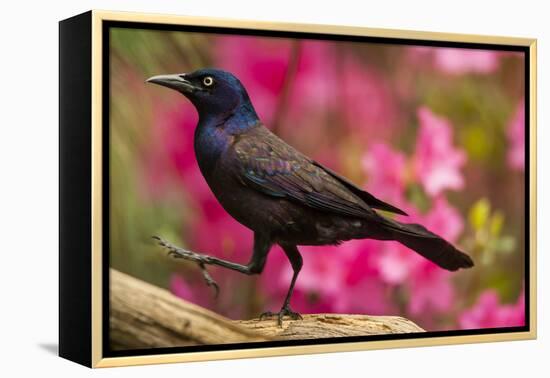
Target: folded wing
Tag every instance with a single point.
(275, 168)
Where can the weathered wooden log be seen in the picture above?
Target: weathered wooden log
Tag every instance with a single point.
(145, 316)
(314, 326)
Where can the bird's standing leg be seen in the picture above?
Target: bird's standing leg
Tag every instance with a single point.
(256, 264)
(296, 261)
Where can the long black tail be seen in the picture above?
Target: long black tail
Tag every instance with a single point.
(428, 244)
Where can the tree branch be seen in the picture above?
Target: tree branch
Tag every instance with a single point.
(145, 316)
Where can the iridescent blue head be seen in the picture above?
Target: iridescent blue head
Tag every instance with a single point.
(216, 94)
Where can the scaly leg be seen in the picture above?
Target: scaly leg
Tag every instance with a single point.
(255, 266)
(296, 261)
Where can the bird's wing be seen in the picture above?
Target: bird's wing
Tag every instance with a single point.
(273, 167)
(369, 199)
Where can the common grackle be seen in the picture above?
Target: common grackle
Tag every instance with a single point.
(285, 197)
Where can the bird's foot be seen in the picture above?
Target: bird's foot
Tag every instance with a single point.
(201, 260)
(285, 311)
(180, 253)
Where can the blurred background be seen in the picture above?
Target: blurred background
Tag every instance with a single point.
(438, 132)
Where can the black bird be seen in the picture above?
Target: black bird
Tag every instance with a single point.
(285, 197)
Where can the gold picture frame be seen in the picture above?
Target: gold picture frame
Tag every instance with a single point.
(93, 355)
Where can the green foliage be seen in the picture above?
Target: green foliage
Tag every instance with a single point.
(479, 214)
(487, 240)
(418, 197)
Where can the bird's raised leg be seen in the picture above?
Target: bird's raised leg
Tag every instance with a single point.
(255, 266)
(296, 261)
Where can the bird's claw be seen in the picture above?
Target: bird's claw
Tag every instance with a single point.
(209, 280)
(180, 253)
(285, 311)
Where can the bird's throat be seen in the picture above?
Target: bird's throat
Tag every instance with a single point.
(214, 134)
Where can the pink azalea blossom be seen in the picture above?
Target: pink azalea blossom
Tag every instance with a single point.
(230, 240)
(310, 90)
(516, 138)
(488, 312)
(169, 151)
(429, 287)
(459, 61)
(444, 220)
(386, 172)
(436, 161)
(396, 263)
(174, 129)
(333, 279)
(197, 293)
(313, 86)
(306, 302)
(260, 64)
(328, 84)
(455, 61)
(324, 83)
(326, 264)
(430, 291)
(365, 99)
(369, 296)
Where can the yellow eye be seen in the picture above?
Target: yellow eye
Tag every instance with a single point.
(208, 81)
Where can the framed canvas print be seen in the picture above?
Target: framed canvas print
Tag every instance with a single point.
(234, 189)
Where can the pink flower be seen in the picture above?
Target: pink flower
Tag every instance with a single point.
(306, 302)
(259, 63)
(397, 263)
(429, 286)
(230, 240)
(430, 291)
(168, 153)
(488, 312)
(312, 88)
(197, 293)
(326, 84)
(369, 296)
(444, 220)
(455, 61)
(386, 173)
(459, 61)
(366, 99)
(324, 270)
(516, 138)
(436, 161)
(333, 279)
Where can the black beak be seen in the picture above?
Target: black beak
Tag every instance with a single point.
(175, 81)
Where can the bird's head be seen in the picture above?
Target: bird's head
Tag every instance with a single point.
(213, 92)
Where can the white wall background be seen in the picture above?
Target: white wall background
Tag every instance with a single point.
(28, 148)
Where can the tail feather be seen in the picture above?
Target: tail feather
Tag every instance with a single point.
(429, 245)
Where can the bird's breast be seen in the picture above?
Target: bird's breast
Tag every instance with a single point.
(210, 144)
(213, 154)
